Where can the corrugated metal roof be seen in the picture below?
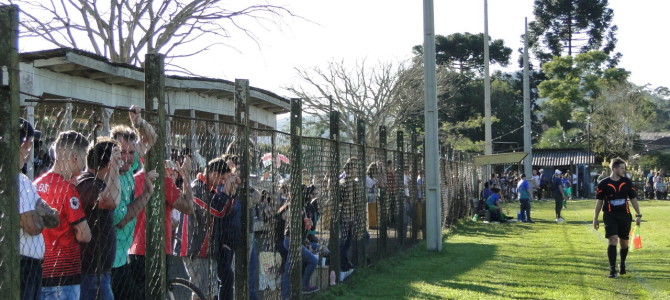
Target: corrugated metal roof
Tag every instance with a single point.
(652, 136)
(499, 159)
(556, 158)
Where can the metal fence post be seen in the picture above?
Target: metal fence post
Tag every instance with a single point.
(154, 93)
(334, 188)
(243, 251)
(414, 191)
(383, 206)
(10, 285)
(297, 201)
(400, 194)
(362, 207)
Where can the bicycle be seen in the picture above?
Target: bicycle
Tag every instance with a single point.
(176, 284)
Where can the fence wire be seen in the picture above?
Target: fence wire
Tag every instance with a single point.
(302, 225)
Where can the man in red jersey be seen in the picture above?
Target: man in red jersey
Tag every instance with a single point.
(174, 199)
(61, 275)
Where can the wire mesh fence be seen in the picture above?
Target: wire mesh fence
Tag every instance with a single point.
(131, 203)
(350, 212)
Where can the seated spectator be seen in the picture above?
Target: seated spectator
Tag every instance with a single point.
(61, 274)
(308, 257)
(661, 190)
(493, 206)
(649, 190)
(484, 195)
(313, 213)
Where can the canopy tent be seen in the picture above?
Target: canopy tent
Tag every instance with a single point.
(500, 159)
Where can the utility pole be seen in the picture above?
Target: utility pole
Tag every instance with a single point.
(432, 151)
(488, 148)
(527, 147)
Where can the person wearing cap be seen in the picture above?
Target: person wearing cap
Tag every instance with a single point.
(559, 194)
(613, 194)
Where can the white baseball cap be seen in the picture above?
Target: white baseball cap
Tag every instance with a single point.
(558, 172)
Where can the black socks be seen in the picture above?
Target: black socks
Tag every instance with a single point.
(623, 252)
(622, 266)
(611, 254)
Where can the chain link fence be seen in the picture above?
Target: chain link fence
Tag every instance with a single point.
(351, 212)
(132, 204)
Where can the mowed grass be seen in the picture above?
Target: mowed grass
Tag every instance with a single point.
(544, 260)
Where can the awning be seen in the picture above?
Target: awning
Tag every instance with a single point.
(500, 159)
(557, 158)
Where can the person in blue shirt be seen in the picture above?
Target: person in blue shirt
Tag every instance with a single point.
(559, 194)
(493, 206)
(565, 181)
(486, 192)
(525, 192)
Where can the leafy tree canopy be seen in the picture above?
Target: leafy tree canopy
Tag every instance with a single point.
(558, 137)
(572, 26)
(465, 51)
(574, 82)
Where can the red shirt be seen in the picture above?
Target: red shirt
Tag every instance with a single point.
(172, 193)
(62, 258)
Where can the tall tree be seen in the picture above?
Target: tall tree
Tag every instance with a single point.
(559, 137)
(387, 94)
(465, 51)
(619, 115)
(123, 30)
(572, 26)
(573, 83)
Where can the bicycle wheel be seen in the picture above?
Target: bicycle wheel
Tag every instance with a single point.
(183, 284)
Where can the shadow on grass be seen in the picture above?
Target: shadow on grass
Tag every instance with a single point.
(412, 273)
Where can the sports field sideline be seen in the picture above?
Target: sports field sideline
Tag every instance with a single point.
(544, 260)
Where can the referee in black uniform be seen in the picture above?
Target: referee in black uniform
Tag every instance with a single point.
(613, 194)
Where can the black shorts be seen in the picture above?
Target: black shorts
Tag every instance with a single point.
(618, 224)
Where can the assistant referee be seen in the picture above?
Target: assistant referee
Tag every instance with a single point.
(613, 194)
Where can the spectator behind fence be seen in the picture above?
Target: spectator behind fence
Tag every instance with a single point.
(196, 246)
(349, 188)
(391, 192)
(61, 274)
(371, 182)
(174, 199)
(309, 259)
(419, 186)
(34, 216)
(99, 193)
(126, 212)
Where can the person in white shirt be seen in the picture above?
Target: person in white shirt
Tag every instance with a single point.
(536, 184)
(371, 182)
(34, 215)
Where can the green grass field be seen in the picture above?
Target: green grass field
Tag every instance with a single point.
(544, 260)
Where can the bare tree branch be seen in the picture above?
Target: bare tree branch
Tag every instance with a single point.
(387, 94)
(124, 30)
